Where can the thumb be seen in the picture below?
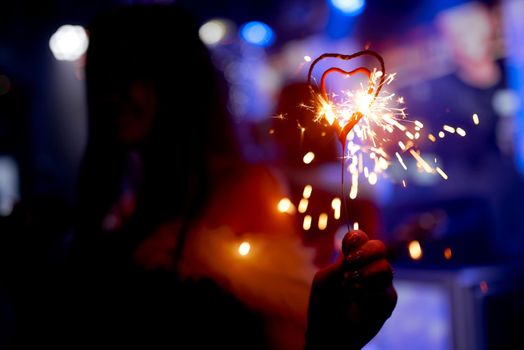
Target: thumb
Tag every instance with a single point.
(353, 240)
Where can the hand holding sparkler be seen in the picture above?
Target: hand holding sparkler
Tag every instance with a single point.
(351, 299)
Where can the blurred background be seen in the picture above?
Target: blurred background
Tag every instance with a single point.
(457, 245)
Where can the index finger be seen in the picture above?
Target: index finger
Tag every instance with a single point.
(352, 240)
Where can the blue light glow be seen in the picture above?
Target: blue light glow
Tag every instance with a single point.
(349, 7)
(257, 33)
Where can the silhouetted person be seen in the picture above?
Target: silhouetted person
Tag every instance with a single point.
(473, 203)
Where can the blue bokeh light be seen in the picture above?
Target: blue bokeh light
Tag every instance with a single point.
(349, 7)
(257, 33)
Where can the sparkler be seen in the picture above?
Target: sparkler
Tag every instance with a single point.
(351, 110)
(370, 123)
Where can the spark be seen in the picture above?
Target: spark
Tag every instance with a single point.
(307, 58)
(302, 206)
(372, 178)
(401, 161)
(302, 130)
(421, 161)
(308, 157)
(432, 138)
(306, 224)
(441, 173)
(353, 192)
(476, 119)
(335, 205)
(355, 225)
(449, 129)
(461, 132)
(322, 221)
(306, 193)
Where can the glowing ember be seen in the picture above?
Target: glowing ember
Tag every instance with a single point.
(401, 161)
(322, 221)
(335, 204)
(308, 157)
(306, 225)
(372, 178)
(441, 173)
(353, 192)
(420, 161)
(476, 119)
(449, 129)
(302, 206)
(244, 248)
(307, 191)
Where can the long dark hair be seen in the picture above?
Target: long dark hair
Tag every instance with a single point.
(158, 44)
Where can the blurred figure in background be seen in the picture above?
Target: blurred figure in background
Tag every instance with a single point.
(178, 240)
(479, 168)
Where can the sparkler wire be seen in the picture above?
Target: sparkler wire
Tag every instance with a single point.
(343, 131)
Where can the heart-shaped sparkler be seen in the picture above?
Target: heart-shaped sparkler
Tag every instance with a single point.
(374, 88)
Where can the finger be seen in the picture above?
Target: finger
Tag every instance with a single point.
(353, 240)
(370, 251)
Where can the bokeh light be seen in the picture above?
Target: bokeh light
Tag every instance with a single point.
(215, 31)
(69, 42)
(244, 248)
(257, 33)
(349, 7)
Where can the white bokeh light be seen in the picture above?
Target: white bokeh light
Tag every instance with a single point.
(69, 43)
(214, 31)
(350, 7)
